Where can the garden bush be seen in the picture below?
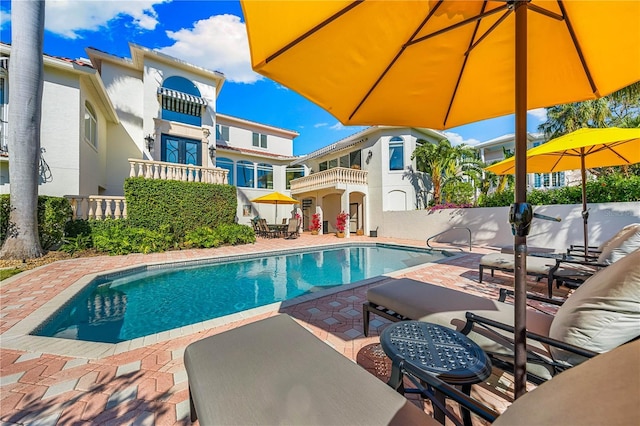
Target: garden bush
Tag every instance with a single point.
(180, 206)
(53, 215)
(233, 234)
(116, 237)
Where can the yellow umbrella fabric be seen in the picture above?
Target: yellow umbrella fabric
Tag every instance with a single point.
(599, 147)
(444, 63)
(580, 150)
(275, 198)
(441, 64)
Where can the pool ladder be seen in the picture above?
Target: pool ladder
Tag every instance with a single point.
(450, 229)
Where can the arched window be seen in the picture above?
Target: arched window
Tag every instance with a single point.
(244, 175)
(90, 125)
(265, 176)
(396, 153)
(181, 101)
(227, 164)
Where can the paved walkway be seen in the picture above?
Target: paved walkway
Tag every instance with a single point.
(148, 385)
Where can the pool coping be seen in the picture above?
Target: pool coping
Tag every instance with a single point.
(18, 337)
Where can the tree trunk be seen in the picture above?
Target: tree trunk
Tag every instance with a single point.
(26, 76)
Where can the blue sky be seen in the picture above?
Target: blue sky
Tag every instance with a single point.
(210, 34)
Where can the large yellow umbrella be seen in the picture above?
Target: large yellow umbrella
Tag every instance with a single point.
(580, 150)
(275, 198)
(443, 63)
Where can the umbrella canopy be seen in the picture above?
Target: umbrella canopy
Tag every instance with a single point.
(443, 63)
(580, 150)
(275, 198)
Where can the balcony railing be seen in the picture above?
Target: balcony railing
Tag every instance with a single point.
(98, 207)
(328, 179)
(173, 171)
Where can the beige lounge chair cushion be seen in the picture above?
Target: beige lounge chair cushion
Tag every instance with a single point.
(624, 243)
(535, 265)
(274, 372)
(448, 307)
(602, 313)
(601, 391)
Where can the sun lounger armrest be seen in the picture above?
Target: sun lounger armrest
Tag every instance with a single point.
(435, 384)
(581, 262)
(504, 293)
(473, 318)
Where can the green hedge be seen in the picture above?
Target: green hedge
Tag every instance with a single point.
(53, 214)
(180, 206)
(606, 189)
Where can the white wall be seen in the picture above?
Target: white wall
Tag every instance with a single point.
(490, 226)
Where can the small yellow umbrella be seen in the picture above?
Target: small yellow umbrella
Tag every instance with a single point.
(275, 198)
(580, 150)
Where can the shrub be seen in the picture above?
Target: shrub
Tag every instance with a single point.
(232, 234)
(116, 237)
(179, 206)
(53, 214)
(203, 237)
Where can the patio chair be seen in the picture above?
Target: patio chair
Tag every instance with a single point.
(292, 230)
(600, 315)
(274, 371)
(266, 232)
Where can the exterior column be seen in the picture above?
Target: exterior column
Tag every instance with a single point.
(319, 210)
(365, 214)
(344, 206)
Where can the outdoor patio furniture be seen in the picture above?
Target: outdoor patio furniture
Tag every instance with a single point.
(600, 391)
(600, 315)
(292, 229)
(274, 371)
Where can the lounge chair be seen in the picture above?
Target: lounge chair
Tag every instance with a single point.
(292, 229)
(275, 372)
(600, 315)
(568, 271)
(600, 391)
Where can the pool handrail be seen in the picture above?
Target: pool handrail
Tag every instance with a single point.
(447, 230)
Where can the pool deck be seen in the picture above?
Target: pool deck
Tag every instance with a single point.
(143, 382)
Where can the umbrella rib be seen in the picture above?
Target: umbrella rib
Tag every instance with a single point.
(489, 31)
(545, 12)
(459, 24)
(578, 48)
(315, 29)
(464, 64)
(395, 59)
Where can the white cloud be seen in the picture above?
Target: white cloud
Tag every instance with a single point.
(539, 113)
(5, 17)
(337, 126)
(218, 43)
(320, 125)
(68, 17)
(457, 139)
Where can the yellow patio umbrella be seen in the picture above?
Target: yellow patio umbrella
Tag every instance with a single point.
(275, 198)
(580, 150)
(444, 63)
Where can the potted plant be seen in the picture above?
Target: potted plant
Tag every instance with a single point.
(315, 225)
(341, 224)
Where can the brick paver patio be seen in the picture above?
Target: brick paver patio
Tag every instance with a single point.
(148, 385)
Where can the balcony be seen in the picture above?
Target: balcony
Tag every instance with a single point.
(336, 178)
(174, 171)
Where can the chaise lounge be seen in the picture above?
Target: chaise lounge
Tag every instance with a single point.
(601, 315)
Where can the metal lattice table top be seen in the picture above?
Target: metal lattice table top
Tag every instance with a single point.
(423, 347)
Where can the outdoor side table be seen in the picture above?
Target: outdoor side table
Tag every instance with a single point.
(422, 348)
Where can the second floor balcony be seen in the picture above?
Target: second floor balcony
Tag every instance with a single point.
(174, 171)
(336, 178)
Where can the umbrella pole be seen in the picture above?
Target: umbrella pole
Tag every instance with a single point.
(520, 241)
(585, 212)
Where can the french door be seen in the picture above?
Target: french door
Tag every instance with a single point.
(181, 150)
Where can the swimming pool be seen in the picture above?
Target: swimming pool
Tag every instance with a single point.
(150, 300)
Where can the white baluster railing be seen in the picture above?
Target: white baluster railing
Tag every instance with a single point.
(329, 178)
(172, 171)
(97, 207)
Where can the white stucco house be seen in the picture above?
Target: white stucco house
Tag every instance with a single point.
(494, 150)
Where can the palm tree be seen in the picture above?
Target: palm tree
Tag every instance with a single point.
(26, 81)
(445, 163)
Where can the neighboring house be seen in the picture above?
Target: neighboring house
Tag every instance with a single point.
(107, 118)
(493, 151)
(364, 175)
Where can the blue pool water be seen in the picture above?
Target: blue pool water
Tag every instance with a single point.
(143, 303)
